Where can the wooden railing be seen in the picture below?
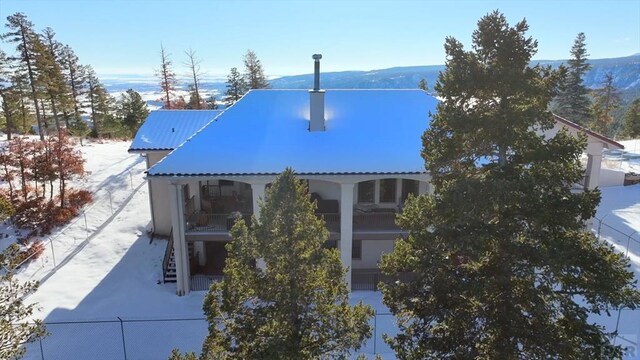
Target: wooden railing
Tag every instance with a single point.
(167, 256)
(203, 222)
(375, 221)
(332, 221)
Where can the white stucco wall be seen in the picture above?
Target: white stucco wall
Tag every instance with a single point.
(327, 190)
(611, 177)
(372, 251)
(159, 193)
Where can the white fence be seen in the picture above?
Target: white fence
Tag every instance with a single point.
(64, 243)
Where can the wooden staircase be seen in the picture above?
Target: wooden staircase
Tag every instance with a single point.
(169, 261)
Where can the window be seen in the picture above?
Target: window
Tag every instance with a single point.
(356, 249)
(366, 190)
(388, 190)
(409, 187)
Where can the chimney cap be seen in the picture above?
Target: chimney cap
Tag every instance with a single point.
(317, 57)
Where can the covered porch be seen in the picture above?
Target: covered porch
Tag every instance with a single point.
(357, 209)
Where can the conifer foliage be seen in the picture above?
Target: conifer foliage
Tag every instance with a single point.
(501, 264)
(297, 307)
(573, 102)
(16, 327)
(631, 125)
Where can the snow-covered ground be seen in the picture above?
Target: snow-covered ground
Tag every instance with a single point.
(117, 275)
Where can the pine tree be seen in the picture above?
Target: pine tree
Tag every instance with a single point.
(193, 63)
(422, 85)
(21, 32)
(20, 88)
(16, 326)
(573, 101)
(631, 125)
(167, 77)
(501, 264)
(75, 76)
(298, 306)
(100, 103)
(236, 87)
(9, 101)
(606, 99)
(253, 73)
(132, 111)
(51, 77)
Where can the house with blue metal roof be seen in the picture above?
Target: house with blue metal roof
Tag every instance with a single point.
(358, 151)
(159, 134)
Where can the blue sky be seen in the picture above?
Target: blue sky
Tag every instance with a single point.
(123, 37)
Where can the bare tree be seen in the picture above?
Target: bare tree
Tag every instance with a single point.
(167, 76)
(193, 63)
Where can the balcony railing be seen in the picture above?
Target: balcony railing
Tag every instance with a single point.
(203, 222)
(375, 221)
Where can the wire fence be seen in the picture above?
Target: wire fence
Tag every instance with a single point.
(61, 246)
(153, 339)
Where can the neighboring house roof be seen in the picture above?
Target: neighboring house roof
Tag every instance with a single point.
(610, 143)
(367, 132)
(166, 129)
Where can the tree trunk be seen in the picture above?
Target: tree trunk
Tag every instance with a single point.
(31, 81)
(55, 113)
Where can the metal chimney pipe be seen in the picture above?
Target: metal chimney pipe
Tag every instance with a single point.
(316, 71)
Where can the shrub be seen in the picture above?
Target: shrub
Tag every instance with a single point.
(79, 198)
(35, 250)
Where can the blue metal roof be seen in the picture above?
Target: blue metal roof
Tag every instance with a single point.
(367, 131)
(167, 129)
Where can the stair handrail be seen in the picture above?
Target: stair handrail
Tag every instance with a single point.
(167, 255)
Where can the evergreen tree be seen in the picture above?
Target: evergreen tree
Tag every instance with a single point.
(51, 78)
(75, 75)
(167, 77)
(236, 87)
(132, 111)
(631, 126)
(100, 103)
(298, 306)
(175, 355)
(606, 99)
(210, 103)
(573, 101)
(9, 107)
(501, 264)
(21, 32)
(193, 63)
(253, 73)
(422, 85)
(16, 326)
(79, 128)
(21, 90)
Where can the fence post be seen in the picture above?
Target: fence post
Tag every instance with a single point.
(375, 331)
(53, 254)
(86, 227)
(41, 350)
(629, 243)
(124, 345)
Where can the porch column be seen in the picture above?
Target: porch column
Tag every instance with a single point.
(594, 160)
(346, 228)
(257, 192)
(181, 253)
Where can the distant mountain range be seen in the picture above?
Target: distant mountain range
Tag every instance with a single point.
(625, 70)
